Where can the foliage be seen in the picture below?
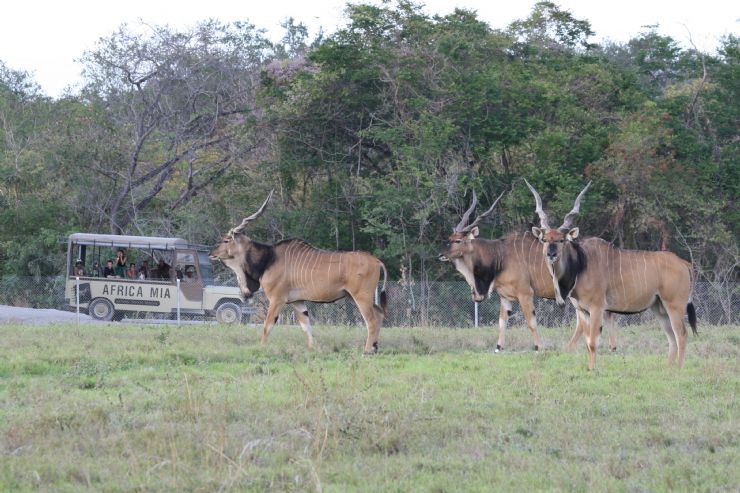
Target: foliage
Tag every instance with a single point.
(375, 135)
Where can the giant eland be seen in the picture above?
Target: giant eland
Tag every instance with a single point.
(512, 266)
(293, 272)
(600, 279)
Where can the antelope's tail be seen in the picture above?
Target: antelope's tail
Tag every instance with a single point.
(691, 312)
(383, 297)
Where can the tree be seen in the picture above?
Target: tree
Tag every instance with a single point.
(173, 108)
(30, 213)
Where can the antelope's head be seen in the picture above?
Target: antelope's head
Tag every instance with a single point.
(459, 243)
(233, 249)
(553, 240)
(231, 246)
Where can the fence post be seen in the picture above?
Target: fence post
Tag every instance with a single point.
(476, 314)
(77, 300)
(178, 301)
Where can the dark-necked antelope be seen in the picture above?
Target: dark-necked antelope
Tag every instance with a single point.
(293, 272)
(512, 266)
(600, 279)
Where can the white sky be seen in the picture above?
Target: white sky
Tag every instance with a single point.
(46, 37)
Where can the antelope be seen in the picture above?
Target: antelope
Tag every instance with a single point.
(512, 266)
(293, 272)
(600, 279)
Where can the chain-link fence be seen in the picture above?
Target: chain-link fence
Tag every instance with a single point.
(446, 304)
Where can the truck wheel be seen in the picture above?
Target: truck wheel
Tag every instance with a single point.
(228, 313)
(101, 309)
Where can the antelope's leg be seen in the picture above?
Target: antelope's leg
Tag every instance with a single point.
(503, 319)
(665, 323)
(527, 304)
(272, 315)
(595, 316)
(581, 322)
(611, 329)
(367, 308)
(301, 313)
(675, 313)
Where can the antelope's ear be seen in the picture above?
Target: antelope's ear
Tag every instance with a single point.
(473, 233)
(572, 234)
(537, 232)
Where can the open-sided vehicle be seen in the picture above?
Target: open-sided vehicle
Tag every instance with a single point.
(151, 285)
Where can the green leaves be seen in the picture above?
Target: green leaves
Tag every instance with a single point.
(374, 135)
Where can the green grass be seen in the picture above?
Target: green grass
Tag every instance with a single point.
(119, 408)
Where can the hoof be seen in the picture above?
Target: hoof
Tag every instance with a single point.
(373, 349)
(536, 348)
(499, 348)
(614, 349)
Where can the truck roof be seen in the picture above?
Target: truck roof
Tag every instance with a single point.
(125, 241)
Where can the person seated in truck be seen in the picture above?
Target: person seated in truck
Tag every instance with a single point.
(79, 269)
(162, 270)
(108, 270)
(189, 274)
(120, 267)
(131, 272)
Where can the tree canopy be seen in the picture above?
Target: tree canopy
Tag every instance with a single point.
(375, 135)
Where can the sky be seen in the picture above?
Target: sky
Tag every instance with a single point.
(46, 38)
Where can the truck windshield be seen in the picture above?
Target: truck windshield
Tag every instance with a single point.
(206, 269)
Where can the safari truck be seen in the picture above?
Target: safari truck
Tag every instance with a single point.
(167, 274)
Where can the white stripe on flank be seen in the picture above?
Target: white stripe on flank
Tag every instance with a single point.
(304, 267)
(299, 268)
(313, 268)
(295, 272)
(290, 260)
(521, 242)
(307, 269)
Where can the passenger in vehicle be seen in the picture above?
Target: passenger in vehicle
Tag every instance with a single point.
(142, 273)
(79, 269)
(120, 267)
(147, 271)
(189, 274)
(162, 270)
(132, 273)
(108, 270)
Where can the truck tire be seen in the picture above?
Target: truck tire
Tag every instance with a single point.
(101, 309)
(229, 313)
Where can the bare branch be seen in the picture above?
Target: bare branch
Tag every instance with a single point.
(692, 105)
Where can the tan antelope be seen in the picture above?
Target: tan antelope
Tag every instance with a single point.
(601, 279)
(512, 266)
(293, 272)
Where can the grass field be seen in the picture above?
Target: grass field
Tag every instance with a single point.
(121, 408)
